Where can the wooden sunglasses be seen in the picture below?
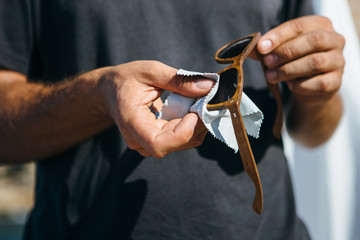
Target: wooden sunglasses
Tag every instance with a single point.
(228, 97)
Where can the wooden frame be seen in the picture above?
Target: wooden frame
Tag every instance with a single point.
(235, 53)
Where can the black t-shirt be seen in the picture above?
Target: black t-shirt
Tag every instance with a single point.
(103, 190)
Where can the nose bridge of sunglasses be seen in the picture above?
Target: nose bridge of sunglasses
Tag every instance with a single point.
(229, 52)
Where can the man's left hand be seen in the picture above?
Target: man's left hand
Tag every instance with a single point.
(306, 53)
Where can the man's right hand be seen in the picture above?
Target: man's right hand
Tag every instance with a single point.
(132, 88)
(42, 120)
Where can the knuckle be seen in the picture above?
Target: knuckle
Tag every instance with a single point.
(298, 26)
(284, 70)
(325, 21)
(323, 85)
(288, 53)
(278, 37)
(341, 62)
(339, 82)
(186, 137)
(183, 139)
(293, 86)
(143, 153)
(317, 39)
(342, 40)
(133, 146)
(158, 154)
(155, 150)
(317, 62)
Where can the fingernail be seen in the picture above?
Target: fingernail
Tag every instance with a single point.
(193, 120)
(265, 45)
(270, 59)
(271, 75)
(204, 84)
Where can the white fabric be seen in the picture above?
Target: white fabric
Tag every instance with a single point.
(326, 179)
(219, 123)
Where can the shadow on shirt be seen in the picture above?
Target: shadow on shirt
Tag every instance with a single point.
(229, 161)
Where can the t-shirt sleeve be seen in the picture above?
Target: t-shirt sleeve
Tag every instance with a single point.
(15, 35)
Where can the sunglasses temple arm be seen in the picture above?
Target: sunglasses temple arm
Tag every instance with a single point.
(275, 90)
(247, 156)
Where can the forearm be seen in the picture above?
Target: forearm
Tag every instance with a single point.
(38, 120)
(313, 124)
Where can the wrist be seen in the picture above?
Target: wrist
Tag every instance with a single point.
(96, 86)
(313, 101)
(312, 121)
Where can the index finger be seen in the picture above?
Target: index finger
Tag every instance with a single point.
(291, 29)
(165, 77)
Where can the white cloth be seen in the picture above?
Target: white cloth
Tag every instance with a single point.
(218, 123)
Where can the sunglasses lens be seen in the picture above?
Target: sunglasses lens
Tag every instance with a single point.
(235, 48)
(227, 86)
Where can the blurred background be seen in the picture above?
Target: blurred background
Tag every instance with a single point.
(17, 182)
(355, 10)
(16, 198)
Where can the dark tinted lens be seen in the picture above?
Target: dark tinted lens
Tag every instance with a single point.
(235, 48)
(227, 86)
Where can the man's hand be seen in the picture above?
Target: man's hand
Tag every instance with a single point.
(132, 89)
(306, 54)
(43, 120)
